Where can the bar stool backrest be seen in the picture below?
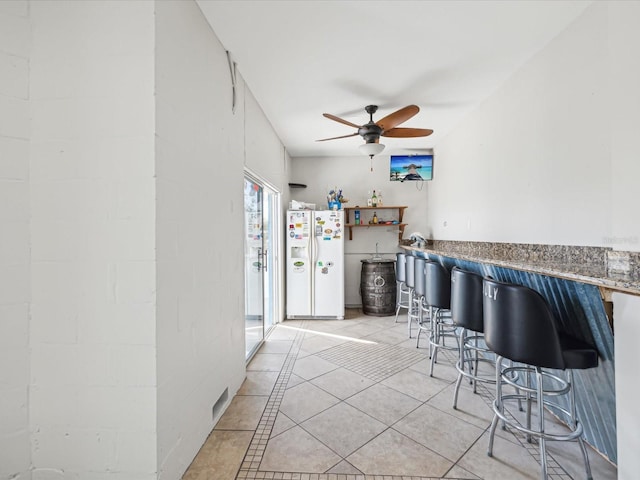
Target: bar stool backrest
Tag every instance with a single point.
(409, 278)
(438, 288)
(418, 277)
(466, 300)
(401, 267)
(520, 326)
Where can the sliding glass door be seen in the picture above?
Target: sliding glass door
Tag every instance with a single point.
(261, 205)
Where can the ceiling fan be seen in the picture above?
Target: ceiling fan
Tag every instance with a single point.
(385, 127)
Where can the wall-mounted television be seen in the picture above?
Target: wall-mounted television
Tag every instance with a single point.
(405, 168)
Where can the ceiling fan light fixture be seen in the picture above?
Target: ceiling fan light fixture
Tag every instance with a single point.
(371, 149)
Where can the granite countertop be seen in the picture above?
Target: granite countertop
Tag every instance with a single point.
(570, 267)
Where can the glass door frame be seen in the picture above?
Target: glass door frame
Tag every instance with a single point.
(272, 296)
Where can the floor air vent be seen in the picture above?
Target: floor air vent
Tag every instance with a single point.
(217, 407)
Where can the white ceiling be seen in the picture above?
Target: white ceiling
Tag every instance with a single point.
(304, 58)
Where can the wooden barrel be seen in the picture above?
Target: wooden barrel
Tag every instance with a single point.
(378, 287)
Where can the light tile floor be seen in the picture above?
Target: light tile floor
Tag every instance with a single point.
(352, 400)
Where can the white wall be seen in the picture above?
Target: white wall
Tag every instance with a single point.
(92, 404)
(15, 448)
(533, 163)
(353, 175)
(624, 78)
(551, 156)
(200, 158)
(264, 152)
(627, 324)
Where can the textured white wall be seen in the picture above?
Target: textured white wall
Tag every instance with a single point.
(15, 447)
(624, 67)
(353, 175)
(199, 232)
(627, 331)
(264, 152)
(532, 163)
(92, 402)
(624, 78)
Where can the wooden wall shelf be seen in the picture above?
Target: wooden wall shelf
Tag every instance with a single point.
(399, 225)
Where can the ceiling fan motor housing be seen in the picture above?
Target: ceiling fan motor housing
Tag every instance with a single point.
(370, 132)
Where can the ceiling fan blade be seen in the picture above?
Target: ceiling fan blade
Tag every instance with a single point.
(334, 138)
(340, 120)
(407, 132)
(398, 117)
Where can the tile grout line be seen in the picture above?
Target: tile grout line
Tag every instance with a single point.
(249, 468)
(555, 470)
(258, 445)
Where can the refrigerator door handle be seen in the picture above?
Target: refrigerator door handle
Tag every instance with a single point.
(260, 265)
(315, 250)
(313, 246)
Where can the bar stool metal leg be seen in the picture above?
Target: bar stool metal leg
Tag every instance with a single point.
(410, 283)
(497, 405)
(410, 312)
(440, 331)
(460, 366)
(424, 322)
(541, 438)
(402, 299)
(574, 425)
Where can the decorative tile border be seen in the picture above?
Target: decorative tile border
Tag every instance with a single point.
(258, 445)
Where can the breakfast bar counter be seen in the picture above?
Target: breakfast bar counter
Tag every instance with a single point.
(578, 283)
(610, 270)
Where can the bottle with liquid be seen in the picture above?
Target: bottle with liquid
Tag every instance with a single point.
(357, 215)
(374, 199)
(379, 198)
(369, 199)
(374, 220)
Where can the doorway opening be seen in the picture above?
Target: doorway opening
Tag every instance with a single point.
(261, 260)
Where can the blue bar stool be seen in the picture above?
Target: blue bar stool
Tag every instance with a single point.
(438, 298)
(467, 315)
(402, 298)
(520, 326)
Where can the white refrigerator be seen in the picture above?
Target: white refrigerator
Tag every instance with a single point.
(315, 264)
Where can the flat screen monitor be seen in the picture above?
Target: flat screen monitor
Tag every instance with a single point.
(405, 168)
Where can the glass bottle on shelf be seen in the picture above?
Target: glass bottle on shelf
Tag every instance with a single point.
(379, 198)
(369, 199)
(374, 220)
(374, 199)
